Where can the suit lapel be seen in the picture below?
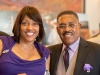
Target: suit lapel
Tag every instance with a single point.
(82, 54)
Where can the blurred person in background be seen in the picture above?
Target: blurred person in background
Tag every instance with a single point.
(96, 38)
(47, 28)
(53, 37)
(3, 33)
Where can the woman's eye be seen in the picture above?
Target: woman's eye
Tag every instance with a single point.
(35, 24)
(24, 23)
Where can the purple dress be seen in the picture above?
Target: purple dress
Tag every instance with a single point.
(11, 64)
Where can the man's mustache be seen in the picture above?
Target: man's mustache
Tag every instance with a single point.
(67, 32)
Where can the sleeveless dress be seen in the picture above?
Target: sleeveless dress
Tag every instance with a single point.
(11, 64)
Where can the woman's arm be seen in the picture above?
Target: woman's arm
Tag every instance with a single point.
(1, 47)
(48, 63)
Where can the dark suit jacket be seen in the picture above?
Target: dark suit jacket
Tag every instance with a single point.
(88, 53)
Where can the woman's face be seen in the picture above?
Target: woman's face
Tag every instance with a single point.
(29, 30)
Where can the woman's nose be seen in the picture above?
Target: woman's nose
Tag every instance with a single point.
(30, 26)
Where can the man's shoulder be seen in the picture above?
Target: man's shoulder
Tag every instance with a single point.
(94, 48)
(55, 47)
(89, 43)
(93, 45)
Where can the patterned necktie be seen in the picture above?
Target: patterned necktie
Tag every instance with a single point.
(66, 58)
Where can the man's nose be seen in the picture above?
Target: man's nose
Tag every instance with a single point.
(67, 27)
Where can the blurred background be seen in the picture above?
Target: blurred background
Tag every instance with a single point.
(87, 10)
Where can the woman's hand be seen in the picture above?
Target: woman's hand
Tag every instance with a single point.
(22, 74)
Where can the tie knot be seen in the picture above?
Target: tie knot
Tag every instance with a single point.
(67, 48)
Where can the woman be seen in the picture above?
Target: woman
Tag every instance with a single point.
(22, 54)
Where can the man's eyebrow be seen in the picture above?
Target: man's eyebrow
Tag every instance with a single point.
(61, 23)
(71, 22)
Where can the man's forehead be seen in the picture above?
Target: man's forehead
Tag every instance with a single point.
(67, 16)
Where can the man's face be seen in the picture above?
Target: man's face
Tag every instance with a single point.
(68, 29)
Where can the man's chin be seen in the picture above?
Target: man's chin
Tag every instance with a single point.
(67, 42)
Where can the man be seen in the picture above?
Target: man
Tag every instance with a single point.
(3, 33)
(82, 57)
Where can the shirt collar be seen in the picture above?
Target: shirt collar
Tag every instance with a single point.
(73, 46)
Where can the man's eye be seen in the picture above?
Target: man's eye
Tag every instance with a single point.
(62, 26)
(71, 24)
